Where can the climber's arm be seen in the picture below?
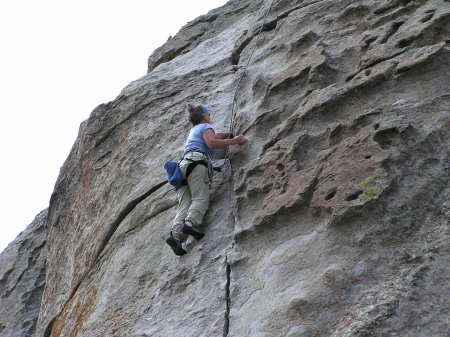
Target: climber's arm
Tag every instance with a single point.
(213, 142)
(224, 135)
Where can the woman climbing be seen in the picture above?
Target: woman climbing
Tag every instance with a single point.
(196, 168)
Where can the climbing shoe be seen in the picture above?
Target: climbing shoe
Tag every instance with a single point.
(189, 228)
(175, 245)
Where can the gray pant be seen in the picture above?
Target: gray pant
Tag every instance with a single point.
(193, 198)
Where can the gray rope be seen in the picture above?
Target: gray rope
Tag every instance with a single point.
(235, 98)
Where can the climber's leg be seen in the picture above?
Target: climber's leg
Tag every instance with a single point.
(198, 183)
(184, 201)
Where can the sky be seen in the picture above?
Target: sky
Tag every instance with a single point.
(60, 59)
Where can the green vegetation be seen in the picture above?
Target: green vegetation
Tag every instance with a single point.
(370, 190)
(422, 59)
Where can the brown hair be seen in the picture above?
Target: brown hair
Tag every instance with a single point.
(195, 114)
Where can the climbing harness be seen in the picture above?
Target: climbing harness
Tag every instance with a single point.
(174, 175)
(238, 85)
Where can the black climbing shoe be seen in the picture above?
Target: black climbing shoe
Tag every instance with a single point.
(189, 228)
(175, 245)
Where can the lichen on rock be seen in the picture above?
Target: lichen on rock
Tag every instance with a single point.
(369, 189)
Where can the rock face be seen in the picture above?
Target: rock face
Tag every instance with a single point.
(334, 218)
(22, 280)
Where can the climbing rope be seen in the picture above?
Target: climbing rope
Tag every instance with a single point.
(235, 98)
(238, 85)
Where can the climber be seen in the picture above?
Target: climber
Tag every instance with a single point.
(196, 168)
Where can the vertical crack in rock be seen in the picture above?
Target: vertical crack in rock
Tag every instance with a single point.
(226, 326)
(303, 174)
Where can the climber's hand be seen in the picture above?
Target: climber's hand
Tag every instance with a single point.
(239, 140)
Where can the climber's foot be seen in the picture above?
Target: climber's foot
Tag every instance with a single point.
(189, 228)
(175, 245)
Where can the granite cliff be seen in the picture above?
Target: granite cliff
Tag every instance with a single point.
(332, 221)
(22, 280)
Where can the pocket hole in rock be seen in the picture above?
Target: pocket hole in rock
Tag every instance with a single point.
(405, 42)
(353, 196)
(376, 126)
(349, 78)
(368, 42)
(269, 26)
(387, 137)
(368, 156)
(392, 30)
(427, 18)
(331, 194)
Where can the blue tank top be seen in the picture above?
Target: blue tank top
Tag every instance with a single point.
(196, 142)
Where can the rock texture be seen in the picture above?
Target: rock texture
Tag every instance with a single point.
(22, 280)
(334, 219)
